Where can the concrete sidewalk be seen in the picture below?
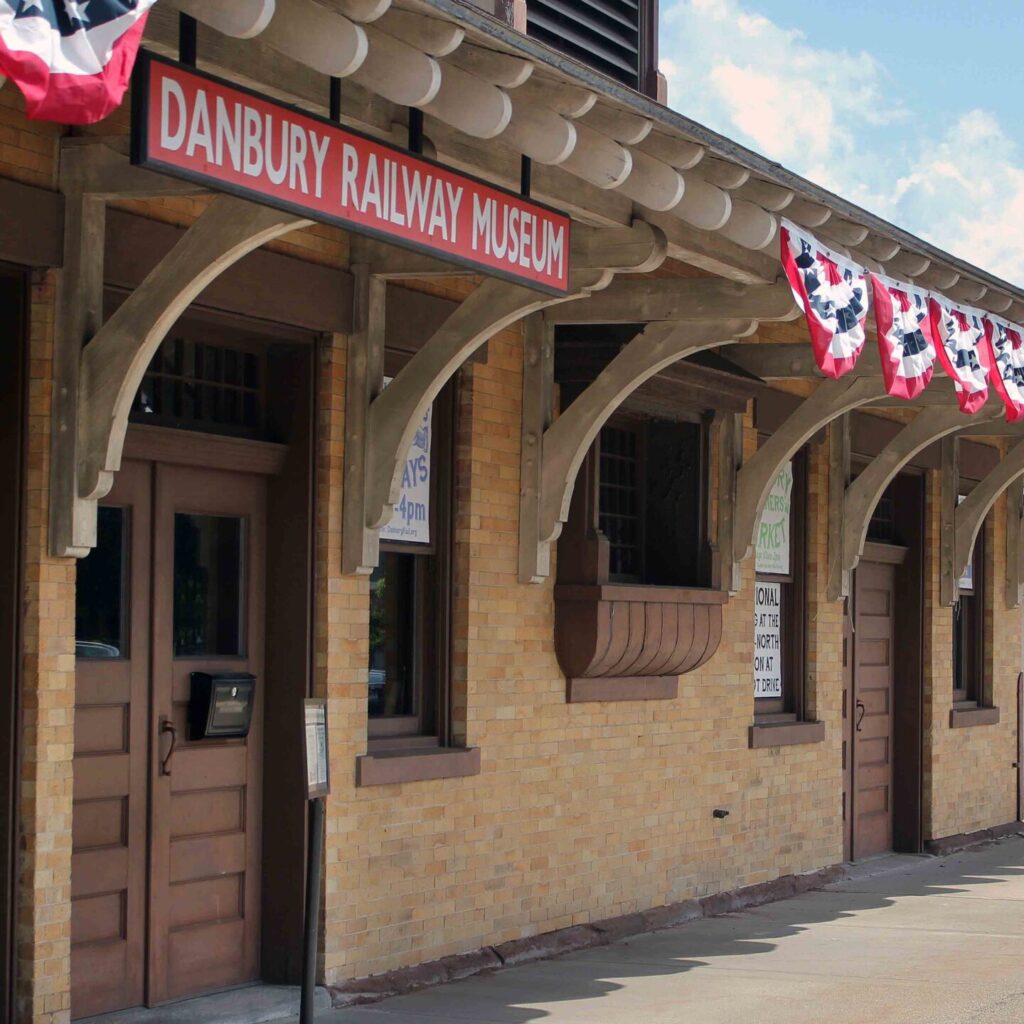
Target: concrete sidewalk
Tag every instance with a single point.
(904, 940)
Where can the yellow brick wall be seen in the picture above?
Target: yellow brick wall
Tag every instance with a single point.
(43, 930)
(581, 811)
(969, 781)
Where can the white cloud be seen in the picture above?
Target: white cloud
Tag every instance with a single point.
(832, 116)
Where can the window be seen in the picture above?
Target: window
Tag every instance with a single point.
(410, 599)
(101, 589)
(194, 385)
(780, 597)
(652, 482)
(969, 628)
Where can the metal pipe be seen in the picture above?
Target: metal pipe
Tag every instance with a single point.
(314, 869)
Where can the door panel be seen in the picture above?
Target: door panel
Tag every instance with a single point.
(207, 616)
(872, 713)
(108, 873)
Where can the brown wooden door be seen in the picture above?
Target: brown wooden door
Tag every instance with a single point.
(208, 564)
(108, 866)
(871, 714)
(165, 867)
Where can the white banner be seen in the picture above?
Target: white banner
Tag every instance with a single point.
(773, 530)
(410, 523)
(767, 639)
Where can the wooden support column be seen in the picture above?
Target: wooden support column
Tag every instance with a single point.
(538, 384)
(115, 360)
(730, 458)
(971, 512)
(79, 315)
(1014, 546)
(754, 480)
(838, 582)
(930, 425)
(566, 441)
(392, 416)
(949, 492)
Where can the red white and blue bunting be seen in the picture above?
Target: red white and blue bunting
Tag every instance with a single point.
(906, 339)
(915, 327)
(833, 294)
(72, 59)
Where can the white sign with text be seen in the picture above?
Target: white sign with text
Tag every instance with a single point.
(773, 530)
(410, 523)
(767, 640)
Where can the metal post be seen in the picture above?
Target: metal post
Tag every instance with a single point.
(415, 130)
(525, 176)
(335, 99)
(188, 32)
(314, 869)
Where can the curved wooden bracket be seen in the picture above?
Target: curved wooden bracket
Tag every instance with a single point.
(754, 479)
(114, 362)
(381, 422)
(862, 495)
(971, 512)
(565, 442)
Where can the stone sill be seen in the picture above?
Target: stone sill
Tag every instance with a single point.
(393, 766)
(786, 734)
(962, 718)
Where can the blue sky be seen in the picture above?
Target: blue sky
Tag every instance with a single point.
(911, 109)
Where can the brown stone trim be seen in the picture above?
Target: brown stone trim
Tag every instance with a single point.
(386, 768)
(785, 734)
(638, 592)
(32, 227)
(962, 718)
(580, 691)
(966, 840)
(570, 940)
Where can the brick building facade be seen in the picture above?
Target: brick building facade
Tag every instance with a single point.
(527, 812)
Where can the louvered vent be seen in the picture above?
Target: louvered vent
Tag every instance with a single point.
(602, 33)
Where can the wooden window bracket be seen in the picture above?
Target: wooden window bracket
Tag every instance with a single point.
(557, 450)
(380, 422)
(861, 497)
(99, 366)
(969, 515)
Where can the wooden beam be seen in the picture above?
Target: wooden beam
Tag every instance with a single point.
(567, 440)
(789, 360)
(115, 361)
(32, 227)
(927, 427)
(971, 512)
(72, 530)
(538, 381)
(242, 19)
(640, 301)
(1014, 547)
(837, 584)
(730, 458)
(324, 40)
(949, 493)
(830, 400)
(99, 166)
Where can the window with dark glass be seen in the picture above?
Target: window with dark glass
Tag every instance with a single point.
(196, 385)
(780, 598)
(410, 598)
(969, 628)
(652, 482)
(209, 585)
(101, 589)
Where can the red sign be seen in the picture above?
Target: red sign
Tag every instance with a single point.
(195, 126)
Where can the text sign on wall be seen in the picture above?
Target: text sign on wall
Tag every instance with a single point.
(767, 640)
(410, 522)
(773, 530)
(195, 126)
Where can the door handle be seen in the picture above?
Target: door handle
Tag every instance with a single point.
(167, 726)
(861, 710)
